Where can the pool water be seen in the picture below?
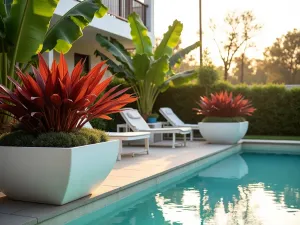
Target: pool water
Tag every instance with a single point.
(247, 189)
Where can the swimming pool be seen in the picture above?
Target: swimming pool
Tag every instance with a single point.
(247, 189)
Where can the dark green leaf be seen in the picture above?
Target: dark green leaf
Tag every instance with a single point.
(117, 50)
(157, 72)
(182, 53)
(141, 65)
(69, 27)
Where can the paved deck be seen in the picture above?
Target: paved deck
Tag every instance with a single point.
(124, 180)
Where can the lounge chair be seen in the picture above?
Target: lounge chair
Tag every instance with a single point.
(173, 119)
(127, 136)
(138, 124)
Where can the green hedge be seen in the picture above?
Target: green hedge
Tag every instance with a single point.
(278, 109)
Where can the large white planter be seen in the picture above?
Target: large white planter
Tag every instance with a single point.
(55, 175)
(223, 133)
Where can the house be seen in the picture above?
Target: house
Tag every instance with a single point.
(113, 25)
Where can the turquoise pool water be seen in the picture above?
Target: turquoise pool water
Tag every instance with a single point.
(247, 189)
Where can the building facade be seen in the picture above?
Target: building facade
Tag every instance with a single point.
(113, 25)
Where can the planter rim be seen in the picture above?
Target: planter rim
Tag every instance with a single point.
(2, 146)
(223, 122)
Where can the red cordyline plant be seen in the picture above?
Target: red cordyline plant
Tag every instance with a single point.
(224, 105)
(55, 100)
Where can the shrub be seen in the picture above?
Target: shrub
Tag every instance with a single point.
(224, 105)
(278, 109)
(208, 76)
(53, 139)
(56, 101)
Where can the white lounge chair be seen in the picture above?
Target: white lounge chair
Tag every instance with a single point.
(138, 124)
(126, 136)
(173, 119)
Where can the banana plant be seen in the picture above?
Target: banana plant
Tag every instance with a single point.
(25, 30)
(148, 71)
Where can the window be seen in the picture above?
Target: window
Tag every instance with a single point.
(86, 60)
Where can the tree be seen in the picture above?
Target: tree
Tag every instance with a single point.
(149, 72)
(243, 64)
(254, 71)
(241, 29)
(282, 59)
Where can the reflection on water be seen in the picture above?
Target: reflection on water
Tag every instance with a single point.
(269, 194)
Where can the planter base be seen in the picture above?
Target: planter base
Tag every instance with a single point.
(55, 175)
(223, 133)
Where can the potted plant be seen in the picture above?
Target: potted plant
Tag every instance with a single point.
(152, 118)
(49, 158)
(224, 121)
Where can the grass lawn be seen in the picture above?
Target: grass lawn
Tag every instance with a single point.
(262, 137)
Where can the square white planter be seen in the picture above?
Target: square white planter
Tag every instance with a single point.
(55, 175)
(223, 133)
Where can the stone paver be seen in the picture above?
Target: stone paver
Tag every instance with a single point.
(126, 173)
(6, 219)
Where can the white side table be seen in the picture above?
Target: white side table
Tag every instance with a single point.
(123, 126)
(130, 136)
(156, 137)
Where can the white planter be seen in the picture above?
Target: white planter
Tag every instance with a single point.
(55, 175)
(223, 133)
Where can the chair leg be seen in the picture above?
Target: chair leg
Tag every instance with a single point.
(173, 141)
(120, 150)
(184, 136)
(147, 145)
(192, 135)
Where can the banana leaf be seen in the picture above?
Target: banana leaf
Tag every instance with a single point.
(170, 40)
(139, 34)
(69, 27)
(157, 71)
(117, 50)
(26, 26)
(182, 53)
(141, 65)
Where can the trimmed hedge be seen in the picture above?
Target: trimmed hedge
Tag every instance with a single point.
(278, 109)
(53, 139)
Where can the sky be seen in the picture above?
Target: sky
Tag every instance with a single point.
(276, 16)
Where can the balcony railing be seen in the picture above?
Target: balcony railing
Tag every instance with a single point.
(122, 8)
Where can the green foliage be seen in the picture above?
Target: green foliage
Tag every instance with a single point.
(82, 137)
(278, 109)
(208, 76)
(25, 30)
(99, 124)
(153, 115)
(223, 119)
(17, 138)
(148, 72)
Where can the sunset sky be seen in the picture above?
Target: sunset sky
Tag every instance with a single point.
(276, 17)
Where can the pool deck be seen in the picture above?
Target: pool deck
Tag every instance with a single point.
(129, 176)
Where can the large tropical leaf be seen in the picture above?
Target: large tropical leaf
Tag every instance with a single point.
(157, 71)
(141, 65)
(117, 70)
(5, 6)
(170, 40)
(139, 34)
(117, 50)
(69, 27)
(26, 26)
(181, 78)
(177, 57)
